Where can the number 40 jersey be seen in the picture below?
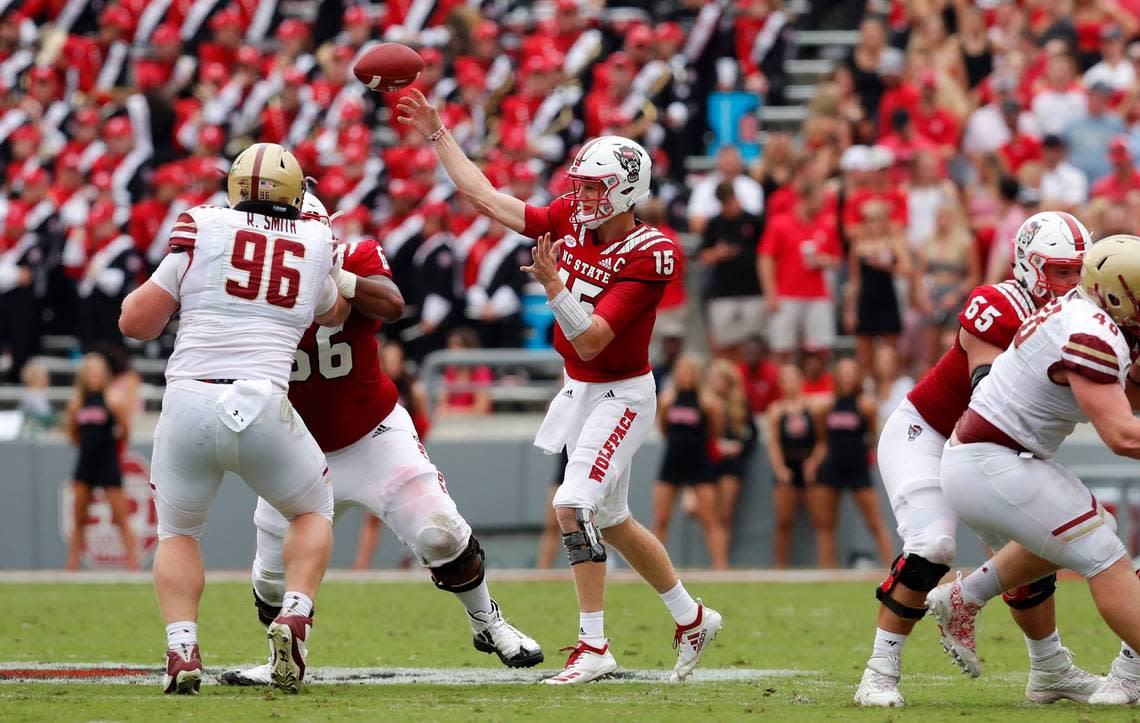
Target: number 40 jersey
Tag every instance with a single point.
(248, 286)
(337, 385)
(1023, 396)
(993, 313)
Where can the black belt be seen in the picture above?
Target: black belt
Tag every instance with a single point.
(217, 381)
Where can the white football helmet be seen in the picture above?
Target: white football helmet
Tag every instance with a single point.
(312, 208)
(1048, 238)
(621, 166)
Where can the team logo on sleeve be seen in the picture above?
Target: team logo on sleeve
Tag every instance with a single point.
(630, 161)
(912, 432)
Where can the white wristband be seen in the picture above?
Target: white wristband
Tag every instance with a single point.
(571, 316)
(345, 282)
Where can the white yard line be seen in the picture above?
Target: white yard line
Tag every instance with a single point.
(140, 674)
(418, 576)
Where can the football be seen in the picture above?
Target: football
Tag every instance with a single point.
(388, 67)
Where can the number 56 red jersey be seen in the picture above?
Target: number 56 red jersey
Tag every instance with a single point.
(337, 385)
(993, 314)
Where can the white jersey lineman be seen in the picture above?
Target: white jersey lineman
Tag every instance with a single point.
(248, 285)
(1001, 479)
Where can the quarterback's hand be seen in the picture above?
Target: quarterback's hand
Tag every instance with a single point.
(545, 266)
(416, 111)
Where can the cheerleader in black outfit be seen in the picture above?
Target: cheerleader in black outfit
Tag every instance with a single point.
(97, 420)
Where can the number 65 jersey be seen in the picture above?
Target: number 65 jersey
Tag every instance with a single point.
(337, 384)
(1022, 397)
(992, 313)
(248, 288)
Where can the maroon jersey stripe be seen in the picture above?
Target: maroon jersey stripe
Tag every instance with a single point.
(1093, 375)
(1076, 520)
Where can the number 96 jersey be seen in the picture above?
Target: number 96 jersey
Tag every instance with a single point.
(337, 385)
(1021, 397)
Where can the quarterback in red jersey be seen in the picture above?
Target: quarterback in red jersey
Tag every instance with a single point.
(1049, 248)
(375, 460)
(604, 273)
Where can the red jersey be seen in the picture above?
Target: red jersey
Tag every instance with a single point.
(1113, 188)
(786, 240)
(645, 259)
(337, 385)
(993, 313)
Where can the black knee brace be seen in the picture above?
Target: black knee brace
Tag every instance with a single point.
(266, 613)
(464, 572)
(585, 545)
(1031, 595)
(916, 573)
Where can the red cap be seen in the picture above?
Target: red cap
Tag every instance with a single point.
(352, 111)
(566, 6)
(356, 15)
(639, 35)
(26, 132)
(42, 74)
(356, 134)
(355, 153)
(87, 116)
(334, 184)
(399, 188)
(515, 139)
(36, 177)
(423, 160)
(1118, 150)
(431, 56)
(148, 75)
(670, 32)
(230, 17)
(292, 29)
(486, 30)
(69, 161)
(295, 78)
(469, 73)
(165, 34)
(116, 16)
(215, 73)
(101, 212)
(211, 137)
(523, 172)
(117, 127)
(170, 174)
(248, 55)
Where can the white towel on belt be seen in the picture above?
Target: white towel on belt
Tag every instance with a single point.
(563, 418)
(244, 401)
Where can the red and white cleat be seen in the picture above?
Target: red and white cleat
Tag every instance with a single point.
(690, 641)
(956, 623)
(183, 671)
(287, 636)
(585, 663)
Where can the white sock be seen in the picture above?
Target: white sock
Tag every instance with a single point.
(1127, 652)
(592, 628)
(477, 600)
(1045, 648)
(181, 633)
(295, 603)
(982, 585)
(681, 604)
(889, 644)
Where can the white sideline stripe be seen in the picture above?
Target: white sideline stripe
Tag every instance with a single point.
(399, 676)
(421, 577)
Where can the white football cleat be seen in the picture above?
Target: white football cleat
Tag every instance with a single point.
(257, 675)
(183, 671)
(1121, 687)
(288, 636)
(956, 623)
(586, 663)
(690, 641)
(1057, 678)
(493, 634)
(880, 684)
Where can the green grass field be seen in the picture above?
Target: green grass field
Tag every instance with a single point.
(821, 630)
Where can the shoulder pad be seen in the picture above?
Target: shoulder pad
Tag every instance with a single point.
(366, 258)
(184, 233)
